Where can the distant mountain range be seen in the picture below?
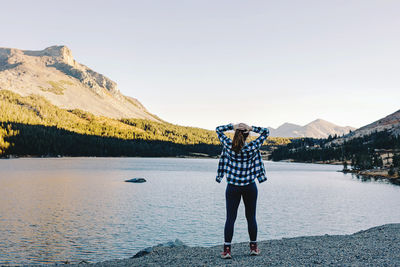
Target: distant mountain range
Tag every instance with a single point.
(373, 147)
(54, 74)
(317, 129)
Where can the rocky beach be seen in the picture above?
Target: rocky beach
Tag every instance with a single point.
(377, 246)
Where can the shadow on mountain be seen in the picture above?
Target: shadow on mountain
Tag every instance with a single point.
(39, 140)
(6, 66)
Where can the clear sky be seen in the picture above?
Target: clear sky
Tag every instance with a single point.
(204, 63)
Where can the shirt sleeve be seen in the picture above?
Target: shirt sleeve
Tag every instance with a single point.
(225, 140)
(221, 167)
(262, 178)
(264, 132)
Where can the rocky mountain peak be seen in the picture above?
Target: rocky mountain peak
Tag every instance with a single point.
(56, 53)
(55, 74)
(61, 53)
(289, 125)
(59, 57)
(319, 121)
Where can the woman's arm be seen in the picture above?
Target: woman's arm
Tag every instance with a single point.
(225, 140)
(264, 132)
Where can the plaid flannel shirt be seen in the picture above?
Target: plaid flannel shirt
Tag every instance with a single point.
(244, 167)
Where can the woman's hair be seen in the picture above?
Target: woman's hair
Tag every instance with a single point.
(238, 140)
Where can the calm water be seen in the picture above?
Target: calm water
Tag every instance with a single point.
(52, 210)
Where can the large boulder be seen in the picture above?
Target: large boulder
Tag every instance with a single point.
(169, 244)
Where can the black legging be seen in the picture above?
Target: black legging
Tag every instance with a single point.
(233, 194)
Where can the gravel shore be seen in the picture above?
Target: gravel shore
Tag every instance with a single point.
(378, 246)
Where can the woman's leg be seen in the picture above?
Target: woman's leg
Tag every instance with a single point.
(250, 202)
(232, 196)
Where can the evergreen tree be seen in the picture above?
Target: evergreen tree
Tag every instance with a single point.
(391, 170)
(377, 161)
(396, 160)
(345, 166)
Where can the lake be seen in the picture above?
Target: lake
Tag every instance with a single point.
(53, 210)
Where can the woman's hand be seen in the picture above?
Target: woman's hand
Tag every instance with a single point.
(246, 127)
(239, 126)
(242, 127)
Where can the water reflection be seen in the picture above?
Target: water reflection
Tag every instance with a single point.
(52, 211)
(364, 178)
(57, 210)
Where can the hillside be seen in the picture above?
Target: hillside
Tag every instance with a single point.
(54, 74)
(32, 126)
(390, 123)
(316, 129)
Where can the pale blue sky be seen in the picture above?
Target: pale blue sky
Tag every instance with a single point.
(205, 63)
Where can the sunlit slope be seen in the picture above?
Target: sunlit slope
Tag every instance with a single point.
(37, 110)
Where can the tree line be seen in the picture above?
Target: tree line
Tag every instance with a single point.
(363, 152)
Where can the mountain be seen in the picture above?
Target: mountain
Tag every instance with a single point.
(390, 123)
(54, 74)
(316, 129)
(285, 130)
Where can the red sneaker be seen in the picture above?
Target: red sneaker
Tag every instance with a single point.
(254, 249)
(227, 253)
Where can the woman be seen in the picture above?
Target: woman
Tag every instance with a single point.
(241, 163)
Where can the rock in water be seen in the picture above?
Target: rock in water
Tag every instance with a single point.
(136, 180)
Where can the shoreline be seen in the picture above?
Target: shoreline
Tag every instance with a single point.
(380, 174)
(372, 247)
(60, 157)
(329, 162)
(376, 174)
